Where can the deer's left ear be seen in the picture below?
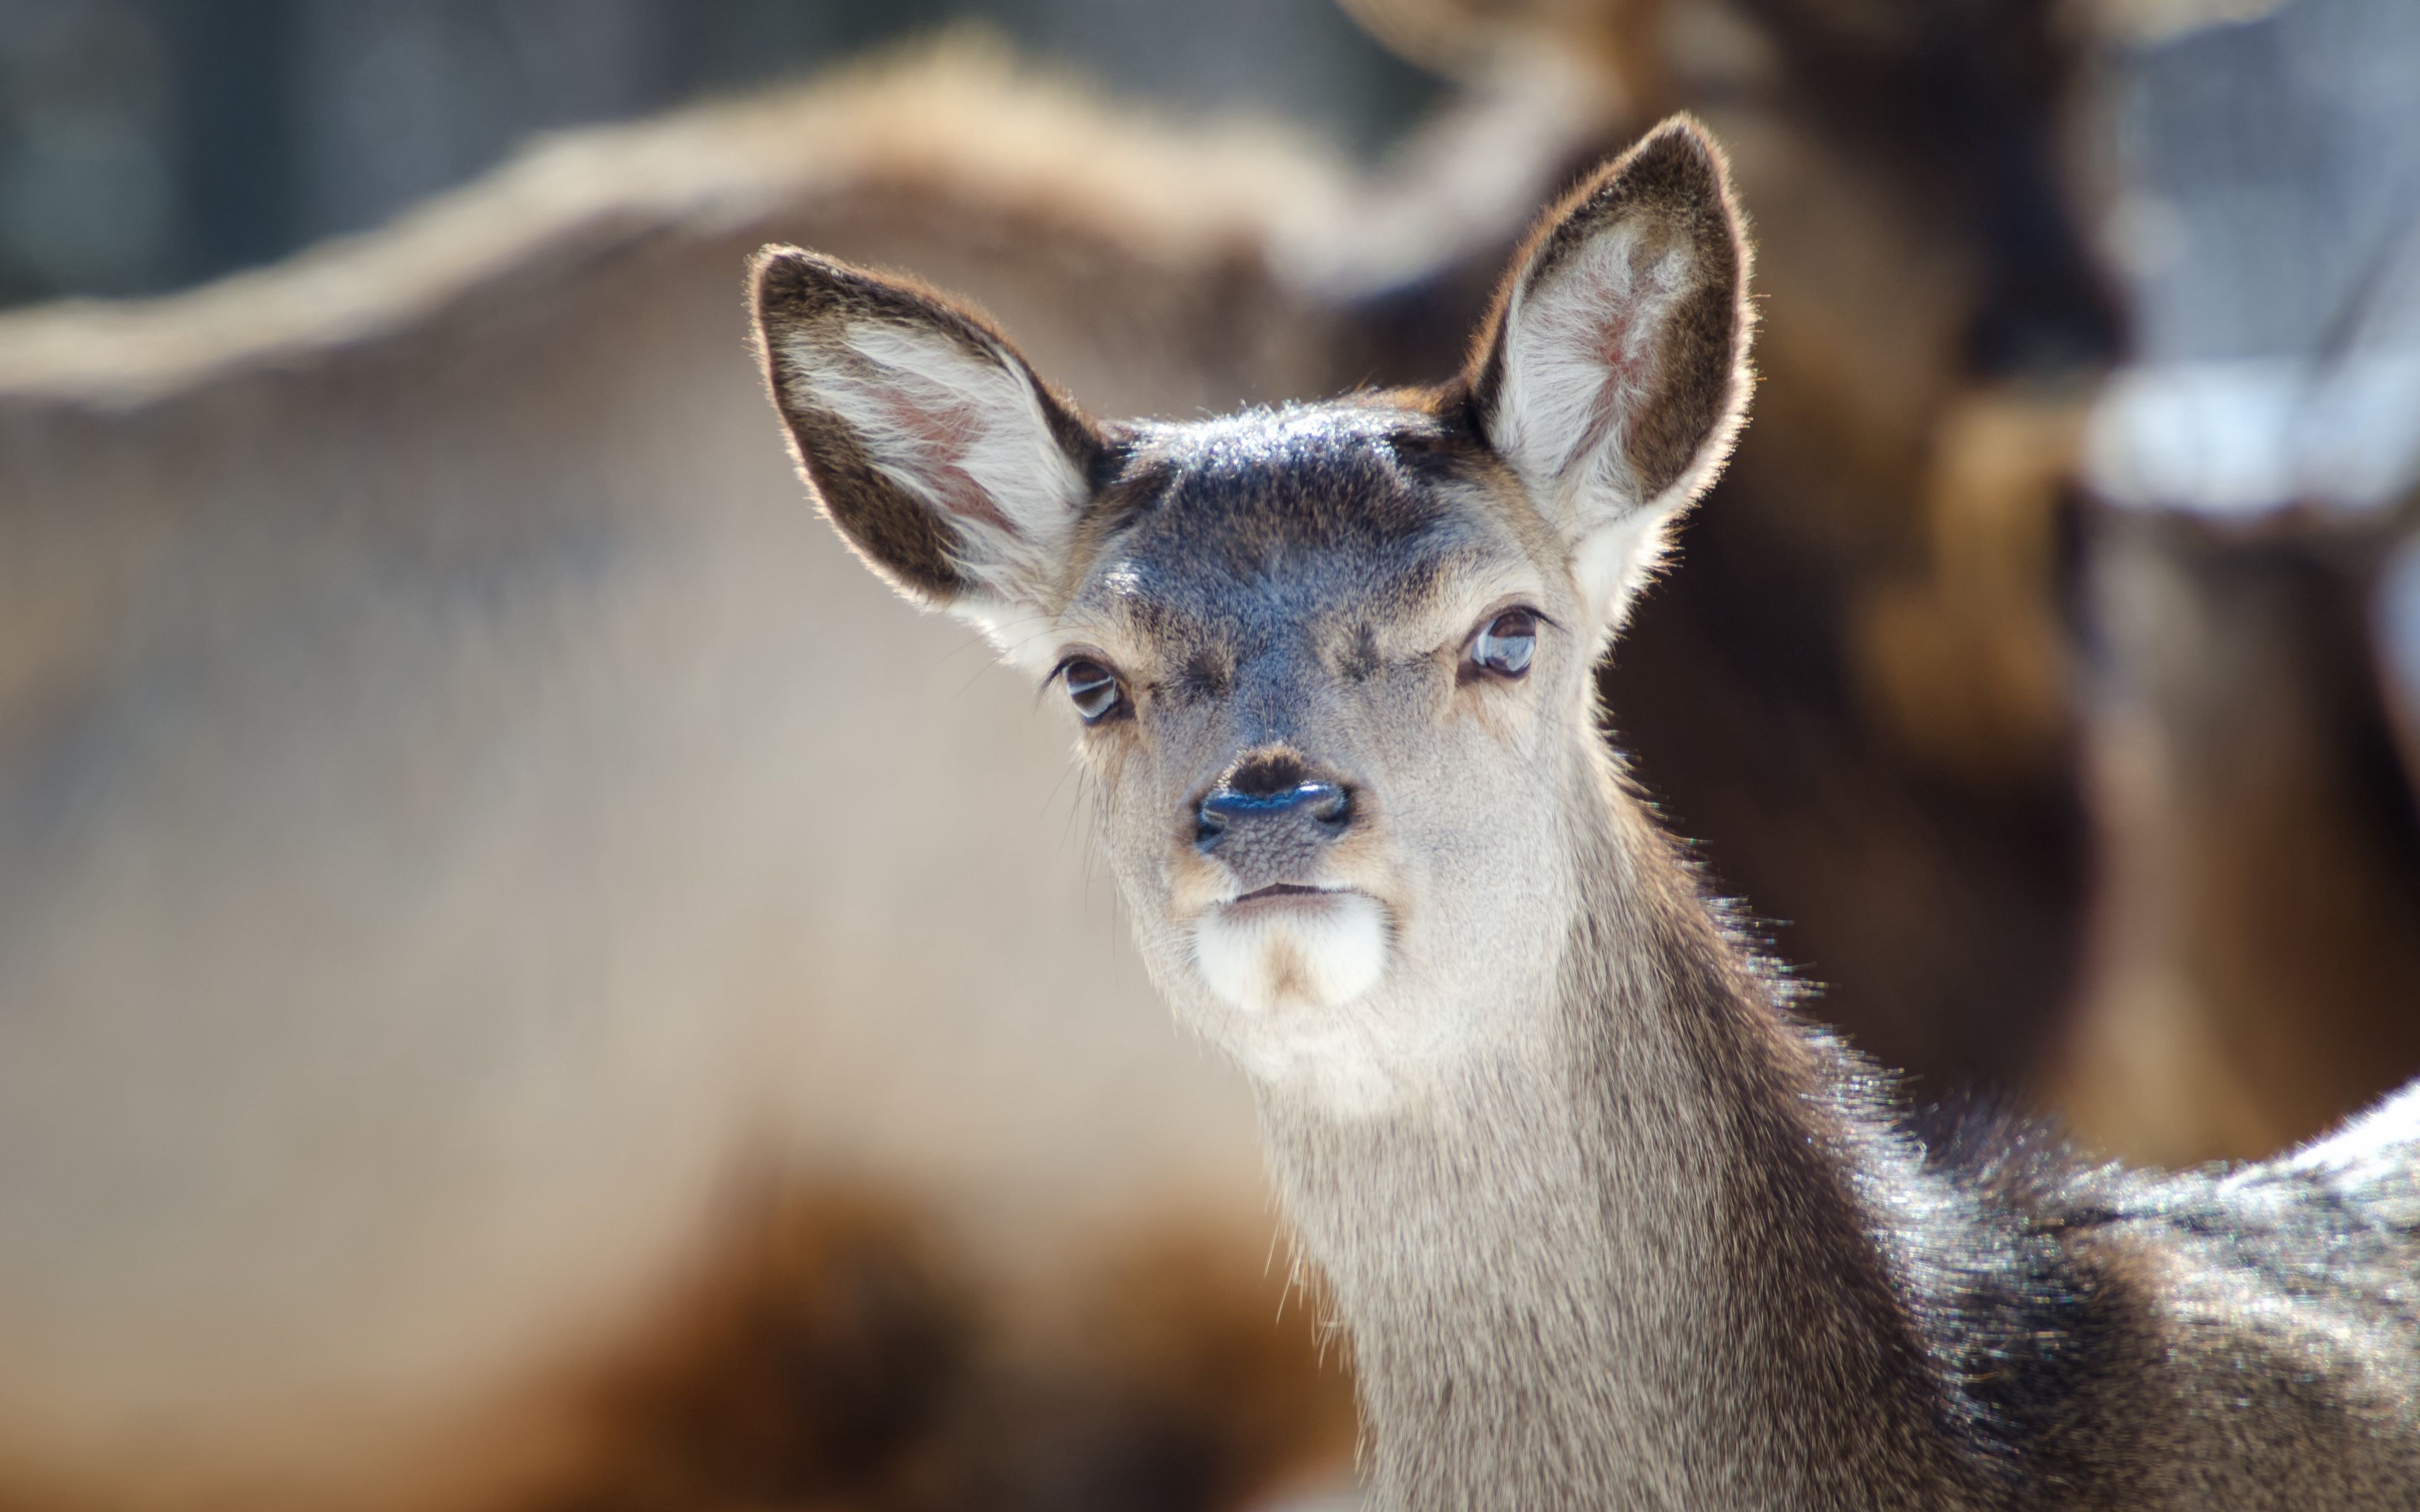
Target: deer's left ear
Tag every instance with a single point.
(1613, 373)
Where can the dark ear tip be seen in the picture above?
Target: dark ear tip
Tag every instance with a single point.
(1683, 129)
(1677, 170)
(791, 277)
(1682, 144)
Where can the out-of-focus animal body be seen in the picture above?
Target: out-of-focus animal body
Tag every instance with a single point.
(2255, 960)
(1607, 1226)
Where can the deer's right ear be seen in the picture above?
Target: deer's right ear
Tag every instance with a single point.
(953, 470)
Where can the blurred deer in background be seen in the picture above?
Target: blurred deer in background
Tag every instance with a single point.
(1607, 1226)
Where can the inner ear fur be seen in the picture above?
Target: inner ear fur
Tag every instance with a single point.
(1670, 399)
(950, 467)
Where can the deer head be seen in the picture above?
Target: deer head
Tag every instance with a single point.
(1332, 662)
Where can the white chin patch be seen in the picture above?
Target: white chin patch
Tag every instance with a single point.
(1316, 953)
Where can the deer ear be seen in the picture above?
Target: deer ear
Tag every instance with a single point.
(953, 471)
(1613, 371)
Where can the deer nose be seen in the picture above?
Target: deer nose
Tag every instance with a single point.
(1326, 805)
(1270, 815)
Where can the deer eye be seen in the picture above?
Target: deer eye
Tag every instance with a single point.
(1502, 647)
(1093, 689)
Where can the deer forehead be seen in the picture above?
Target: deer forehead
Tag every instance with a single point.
(1361, 532)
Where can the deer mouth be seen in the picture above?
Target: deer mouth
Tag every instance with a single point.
(1284, 895)
(1285, 890)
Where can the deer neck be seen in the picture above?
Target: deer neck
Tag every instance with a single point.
(1634, 1259)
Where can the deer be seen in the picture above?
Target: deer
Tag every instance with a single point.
(1606, 1222)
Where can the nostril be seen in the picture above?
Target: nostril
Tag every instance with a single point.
(1334, 810)
(1208, 824)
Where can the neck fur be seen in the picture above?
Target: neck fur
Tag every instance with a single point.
(1638, 1262)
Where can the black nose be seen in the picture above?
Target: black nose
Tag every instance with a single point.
(1279, 802)
(1322, 803)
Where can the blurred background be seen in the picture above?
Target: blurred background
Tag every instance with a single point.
(154, 144)
(527, 982)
